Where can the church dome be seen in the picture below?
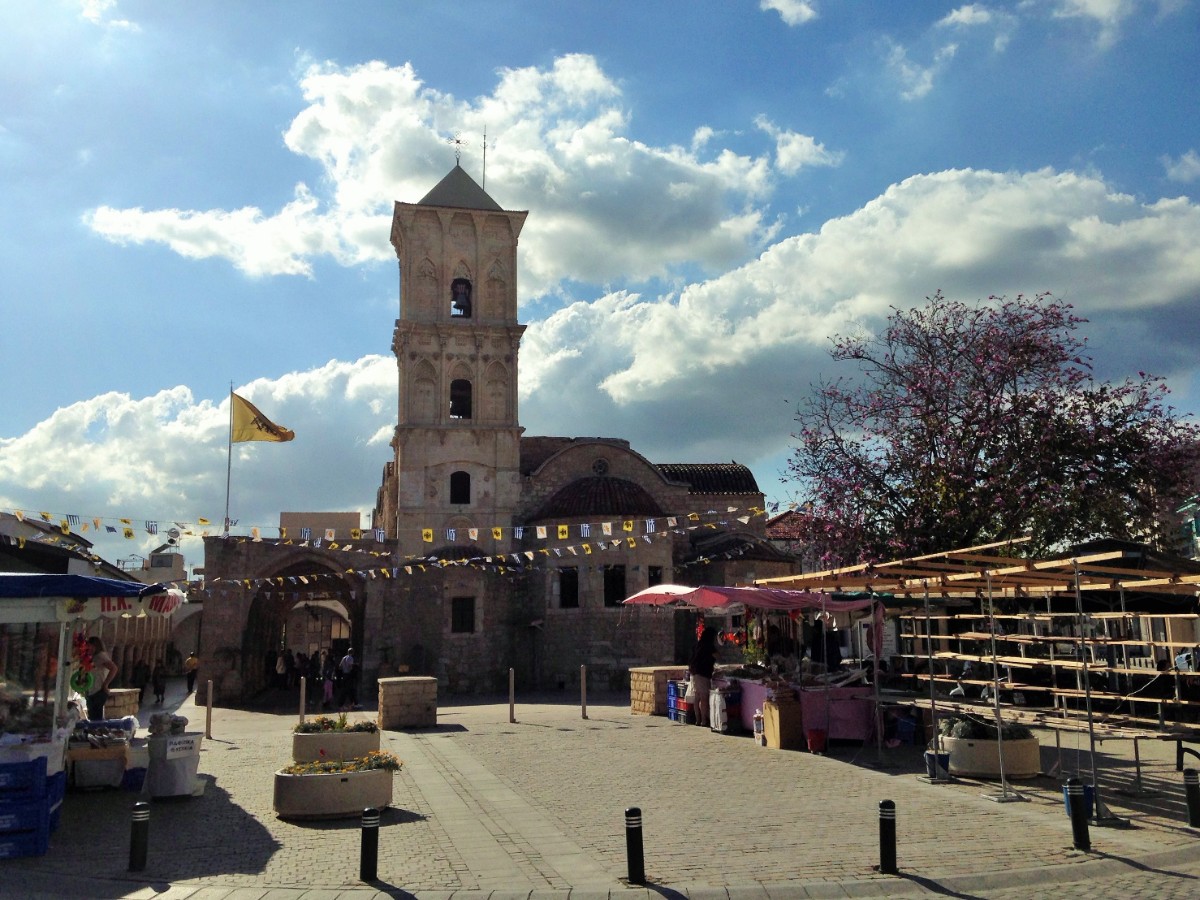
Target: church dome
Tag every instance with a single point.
(599, 495)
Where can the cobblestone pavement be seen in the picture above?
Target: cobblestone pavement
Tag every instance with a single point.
(535, 808)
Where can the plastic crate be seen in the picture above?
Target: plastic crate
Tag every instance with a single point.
(24, 843)
(23, 781)
(56, 787)
(29, 816)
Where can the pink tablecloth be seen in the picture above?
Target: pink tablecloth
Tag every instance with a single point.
(843, 713)
(753, 697)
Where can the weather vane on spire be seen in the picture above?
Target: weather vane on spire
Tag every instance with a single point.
(458, 143)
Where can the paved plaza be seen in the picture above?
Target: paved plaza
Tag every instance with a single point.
(485, 807)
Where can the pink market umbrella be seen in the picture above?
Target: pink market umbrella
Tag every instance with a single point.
(660, 595)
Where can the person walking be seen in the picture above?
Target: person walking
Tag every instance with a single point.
(190, 665)
(141, 678)
(158, 680)
(348, 690)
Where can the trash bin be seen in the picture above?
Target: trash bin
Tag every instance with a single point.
(937, 765)
(816, 740)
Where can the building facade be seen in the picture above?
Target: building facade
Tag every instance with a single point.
(491, 549)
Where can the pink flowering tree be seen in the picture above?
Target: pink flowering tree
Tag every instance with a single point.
(977, 423)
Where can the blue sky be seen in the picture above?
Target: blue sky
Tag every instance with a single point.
(194, 195)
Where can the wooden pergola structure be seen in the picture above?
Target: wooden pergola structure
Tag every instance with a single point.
(985, 574)
(977, 572)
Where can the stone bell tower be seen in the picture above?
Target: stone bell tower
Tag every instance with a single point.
(457, 439)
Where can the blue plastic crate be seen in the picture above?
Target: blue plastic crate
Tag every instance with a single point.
(29, 816)
(23, 781)
(24, 843)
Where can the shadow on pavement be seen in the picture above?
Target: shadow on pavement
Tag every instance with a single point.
(389, 817)
(98, 824)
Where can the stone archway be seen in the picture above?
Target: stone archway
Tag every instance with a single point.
(314, 615)
(262, 598)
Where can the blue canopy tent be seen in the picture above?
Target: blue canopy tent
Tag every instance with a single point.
(28, 599)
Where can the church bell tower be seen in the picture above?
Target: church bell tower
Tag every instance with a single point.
(457, 438)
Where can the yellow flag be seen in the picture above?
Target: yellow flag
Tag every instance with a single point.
(564, 532)
(251, 425)
(497, 533)
(427, 535)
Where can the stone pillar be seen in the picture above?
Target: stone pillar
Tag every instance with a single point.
(407, 702)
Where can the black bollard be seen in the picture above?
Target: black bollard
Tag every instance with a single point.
(139, 836)
(1077, 807)
(368, 864)
(887, 837)
(633, 845)
(1191, 787)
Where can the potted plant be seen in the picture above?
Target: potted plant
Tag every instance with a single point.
(335, 788)
(325, 737)
(973, 743)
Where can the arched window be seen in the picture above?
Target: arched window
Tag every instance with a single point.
(460, 399)
(460, 487)
(460, 298)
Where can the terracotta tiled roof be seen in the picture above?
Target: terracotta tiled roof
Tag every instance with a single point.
(459, 190)
(784, 527)
(712, 478)
(599, 495)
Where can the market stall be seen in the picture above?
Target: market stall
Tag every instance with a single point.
(40, 743)
(806, 690)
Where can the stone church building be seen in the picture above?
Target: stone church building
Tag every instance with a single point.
(488, 549)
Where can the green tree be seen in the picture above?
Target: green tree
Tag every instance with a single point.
(977, 423)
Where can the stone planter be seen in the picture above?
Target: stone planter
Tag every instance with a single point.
(981, 759)
(336, 744)
(333, 795)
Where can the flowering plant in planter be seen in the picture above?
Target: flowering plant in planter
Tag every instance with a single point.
(378, 759)
(979, 729)
(322, 724)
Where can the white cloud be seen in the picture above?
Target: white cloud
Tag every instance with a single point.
(163, 457)
(1108, 15)
(915, 80)
(1185, 169)
(793, 12)
(795, 151)
(711, 371)
(102, 12)
(975, 16)
(608, 206)
(663, 366)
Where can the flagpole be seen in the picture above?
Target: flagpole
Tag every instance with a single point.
(229, 460)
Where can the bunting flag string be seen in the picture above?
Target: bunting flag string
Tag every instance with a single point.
(630, 530)
(711, 518)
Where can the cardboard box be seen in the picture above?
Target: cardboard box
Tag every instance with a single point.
(97, 766)
(783, 725)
